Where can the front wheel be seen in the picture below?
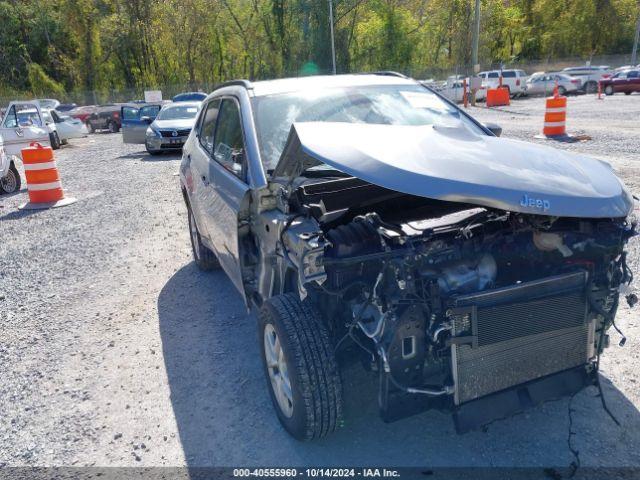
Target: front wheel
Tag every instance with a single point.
(11, 182)
(608, 90)
(300, 367)
(90, 128)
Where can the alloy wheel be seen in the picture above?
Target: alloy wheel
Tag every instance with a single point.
(278, 371)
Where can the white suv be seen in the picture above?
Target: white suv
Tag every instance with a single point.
(514, 80)
(590, 76)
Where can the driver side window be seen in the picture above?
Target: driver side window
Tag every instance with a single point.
(229, 148)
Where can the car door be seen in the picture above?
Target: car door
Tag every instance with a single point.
(134, 122)
(534, 85)
(227, 190)
(18, 133)
(633, 84)
(198, 160)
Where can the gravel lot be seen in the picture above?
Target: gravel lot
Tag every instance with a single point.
(116, 351)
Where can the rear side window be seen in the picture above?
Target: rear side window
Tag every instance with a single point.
(633, 74)
(208, 125)
(509, 74)
(229, 142)
(493, 75)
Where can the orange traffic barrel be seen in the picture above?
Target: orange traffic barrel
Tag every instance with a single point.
(497, 97)
(43, 180)
(555, 116)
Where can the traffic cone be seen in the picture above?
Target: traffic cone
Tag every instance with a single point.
(43, 179)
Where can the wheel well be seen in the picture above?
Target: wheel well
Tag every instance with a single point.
(290, 281)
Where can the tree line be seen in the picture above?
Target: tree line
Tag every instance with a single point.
(61, 46)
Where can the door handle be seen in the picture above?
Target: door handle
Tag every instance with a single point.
(19, 132)
(204, 180)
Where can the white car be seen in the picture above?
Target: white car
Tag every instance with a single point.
(590, 76)
(543, 83)
(66, 127)
(453, 90)
(514, 80)
(17, 131)
(9, 175)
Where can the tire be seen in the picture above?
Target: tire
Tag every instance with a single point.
(591, 87)
(608, 90)
(561, 90)
(314, 408)
(627, 93)
(113, 127)
(11, 182)
(205, 259)
(90, 128)
(54, 139)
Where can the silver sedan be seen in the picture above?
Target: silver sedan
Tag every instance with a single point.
(544, 83)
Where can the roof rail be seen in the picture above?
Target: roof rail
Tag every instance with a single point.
(389, 73)
(237, 83)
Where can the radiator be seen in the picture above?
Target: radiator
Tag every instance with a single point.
(508, 336)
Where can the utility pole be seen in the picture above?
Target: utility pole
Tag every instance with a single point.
(333, 44)
(634, 53)
(476, 37)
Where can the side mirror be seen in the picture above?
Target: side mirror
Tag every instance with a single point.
(493, 128)
(146, 119)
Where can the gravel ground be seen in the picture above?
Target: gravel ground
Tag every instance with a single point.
(116, 351)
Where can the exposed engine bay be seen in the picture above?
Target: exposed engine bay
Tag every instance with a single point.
(451, 303)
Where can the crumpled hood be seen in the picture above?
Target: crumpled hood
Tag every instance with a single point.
(176, 124)
(453, 163)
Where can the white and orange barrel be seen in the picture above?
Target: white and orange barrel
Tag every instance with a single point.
(43, 179)
(555, 116)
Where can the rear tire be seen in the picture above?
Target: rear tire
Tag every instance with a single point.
(561, 90)
(55, 140)
(627, 93)
(11, 182)
(113, 127)
(205, 259)
(608, 90)
(314, 390)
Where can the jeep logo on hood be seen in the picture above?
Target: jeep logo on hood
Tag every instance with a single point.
(537, 203)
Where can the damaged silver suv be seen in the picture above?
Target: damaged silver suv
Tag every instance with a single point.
(366, 217)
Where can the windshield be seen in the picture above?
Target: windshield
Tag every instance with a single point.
(380, 104)
(178, 113)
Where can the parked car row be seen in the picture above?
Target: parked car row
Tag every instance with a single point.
(570, 80)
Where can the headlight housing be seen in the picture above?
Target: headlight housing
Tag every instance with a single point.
(152, 133)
